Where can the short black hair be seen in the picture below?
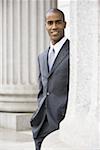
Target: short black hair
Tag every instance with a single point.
(56, 10)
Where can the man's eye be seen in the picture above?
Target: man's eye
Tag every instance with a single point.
(50, 22)
(59, 22)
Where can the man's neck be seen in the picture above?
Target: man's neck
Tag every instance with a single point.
(51, 43)
(54, 42)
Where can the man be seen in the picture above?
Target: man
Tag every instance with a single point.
(53, 79)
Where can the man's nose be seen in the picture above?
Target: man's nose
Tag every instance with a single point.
(54, 25)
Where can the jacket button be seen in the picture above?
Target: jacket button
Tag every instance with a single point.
(48, 93)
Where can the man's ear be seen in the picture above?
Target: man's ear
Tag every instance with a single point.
(65, 24)
(45, 25)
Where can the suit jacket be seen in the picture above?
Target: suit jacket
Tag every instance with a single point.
(53, 93)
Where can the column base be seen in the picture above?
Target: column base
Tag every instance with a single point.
(16, 121)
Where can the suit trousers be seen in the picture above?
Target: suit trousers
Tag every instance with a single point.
(42, 134)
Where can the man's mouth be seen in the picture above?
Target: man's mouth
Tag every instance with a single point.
(54, 33)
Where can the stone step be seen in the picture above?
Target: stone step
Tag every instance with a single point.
(22, 140)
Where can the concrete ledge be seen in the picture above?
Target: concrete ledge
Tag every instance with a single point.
(16, 121)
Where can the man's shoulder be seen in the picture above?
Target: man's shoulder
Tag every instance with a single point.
(42, 54)
(66, 44)
(67, 41)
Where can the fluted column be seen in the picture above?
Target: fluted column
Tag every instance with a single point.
(42, 36)
(81, 122)
(22, 38)
(0, 41)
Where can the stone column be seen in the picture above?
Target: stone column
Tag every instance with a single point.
(81, 121)
(18, 79)
(22, 37)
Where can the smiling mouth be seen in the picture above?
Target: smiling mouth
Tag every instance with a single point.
(54, 33)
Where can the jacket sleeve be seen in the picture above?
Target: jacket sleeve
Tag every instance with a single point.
(40, 93)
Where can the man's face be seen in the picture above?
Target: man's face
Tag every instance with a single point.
(55, 26)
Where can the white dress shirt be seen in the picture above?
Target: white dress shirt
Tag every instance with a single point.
(56, 48)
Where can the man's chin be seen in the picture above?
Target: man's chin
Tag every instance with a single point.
(55, 40)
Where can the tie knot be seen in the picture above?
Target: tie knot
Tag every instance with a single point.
(53, 50)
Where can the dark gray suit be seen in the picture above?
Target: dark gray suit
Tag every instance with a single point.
(53, 94)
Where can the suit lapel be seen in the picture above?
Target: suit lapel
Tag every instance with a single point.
(60, 57)
(45, 59)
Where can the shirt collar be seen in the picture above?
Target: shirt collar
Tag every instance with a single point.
(58, 45)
